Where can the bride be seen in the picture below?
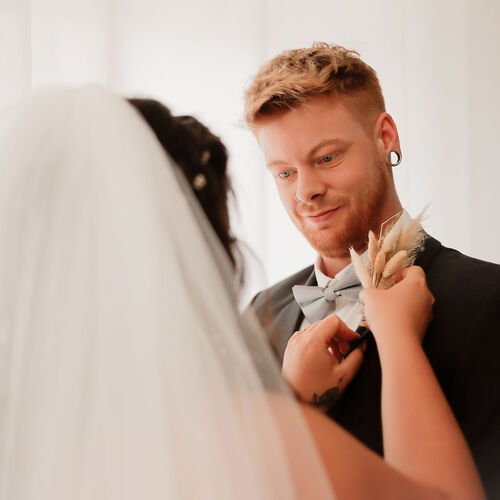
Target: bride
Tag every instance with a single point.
(125, 370)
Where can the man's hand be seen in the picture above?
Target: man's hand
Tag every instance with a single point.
(313, 363)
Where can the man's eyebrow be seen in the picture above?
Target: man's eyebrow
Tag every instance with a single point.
(276, 163)
(325, 142)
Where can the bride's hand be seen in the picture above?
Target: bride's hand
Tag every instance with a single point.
(313, 364)
(405, 307)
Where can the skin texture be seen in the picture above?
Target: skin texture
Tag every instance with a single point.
(331, 173)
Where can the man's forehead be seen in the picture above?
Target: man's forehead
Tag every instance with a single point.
(303, 126)
(321, 119)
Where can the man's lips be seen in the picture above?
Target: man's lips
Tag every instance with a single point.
(321, 216)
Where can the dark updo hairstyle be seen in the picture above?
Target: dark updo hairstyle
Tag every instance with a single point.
(196, 151)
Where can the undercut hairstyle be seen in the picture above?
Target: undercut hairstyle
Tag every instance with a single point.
(294, 76)
(196, 151)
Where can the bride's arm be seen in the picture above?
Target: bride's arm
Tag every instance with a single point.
(357, 473)
(353, 471)
(421, 436)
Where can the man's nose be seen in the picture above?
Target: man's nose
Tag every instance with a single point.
(309, 185)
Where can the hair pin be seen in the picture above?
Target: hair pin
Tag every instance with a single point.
(199, 182)
(205, 156)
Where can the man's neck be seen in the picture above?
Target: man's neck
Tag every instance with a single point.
(332, 265)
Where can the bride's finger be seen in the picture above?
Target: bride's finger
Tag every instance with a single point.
(346, 334)
(335, 351)
(414, 271)
(367, 293)
(344, 347)
(400, 275)
(351, 365)
(295, 336)
(312, 327)
(332, 329)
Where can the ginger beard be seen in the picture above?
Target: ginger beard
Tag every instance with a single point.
(361, 212)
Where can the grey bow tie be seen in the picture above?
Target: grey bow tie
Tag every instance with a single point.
(317, 302)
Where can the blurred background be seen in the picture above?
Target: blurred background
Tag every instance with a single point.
(437, 61)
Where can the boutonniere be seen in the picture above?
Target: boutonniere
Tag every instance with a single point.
(395, 249)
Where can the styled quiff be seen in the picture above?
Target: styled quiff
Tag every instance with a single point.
(292, 77)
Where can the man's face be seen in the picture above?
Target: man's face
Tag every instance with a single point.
(330, 173)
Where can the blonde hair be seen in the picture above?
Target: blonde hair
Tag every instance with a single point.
(292, 77)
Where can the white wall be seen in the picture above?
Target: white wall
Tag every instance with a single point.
(483, 112)
(15, 50)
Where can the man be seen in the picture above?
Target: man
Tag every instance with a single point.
(319, 117)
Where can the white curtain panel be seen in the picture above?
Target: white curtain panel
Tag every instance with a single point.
(437, 61)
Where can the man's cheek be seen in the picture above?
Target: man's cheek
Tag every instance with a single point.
(287, 199)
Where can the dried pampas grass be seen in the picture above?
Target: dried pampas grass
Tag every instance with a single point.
(395, 250)
(361, 269)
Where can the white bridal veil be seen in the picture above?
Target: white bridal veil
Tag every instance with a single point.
(124, 370)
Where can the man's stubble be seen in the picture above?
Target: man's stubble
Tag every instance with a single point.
(353, 232)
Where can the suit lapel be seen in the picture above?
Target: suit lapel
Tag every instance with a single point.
(431, 247)
(289, 319)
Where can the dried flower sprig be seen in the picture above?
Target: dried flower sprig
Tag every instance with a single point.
(395, 250)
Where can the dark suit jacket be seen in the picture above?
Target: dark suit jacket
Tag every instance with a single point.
(462, 344)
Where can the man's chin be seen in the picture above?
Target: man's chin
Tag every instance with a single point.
(332, 245)
(340, 252)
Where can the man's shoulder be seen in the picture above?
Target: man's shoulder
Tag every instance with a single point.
(456, 268)
(280, 293)
(466, 289)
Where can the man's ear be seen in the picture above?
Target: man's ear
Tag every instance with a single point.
(386, 134)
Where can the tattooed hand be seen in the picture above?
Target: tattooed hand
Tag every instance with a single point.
(313, 363)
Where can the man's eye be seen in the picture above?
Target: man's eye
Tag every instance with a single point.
(285, 175)
(327, 158)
